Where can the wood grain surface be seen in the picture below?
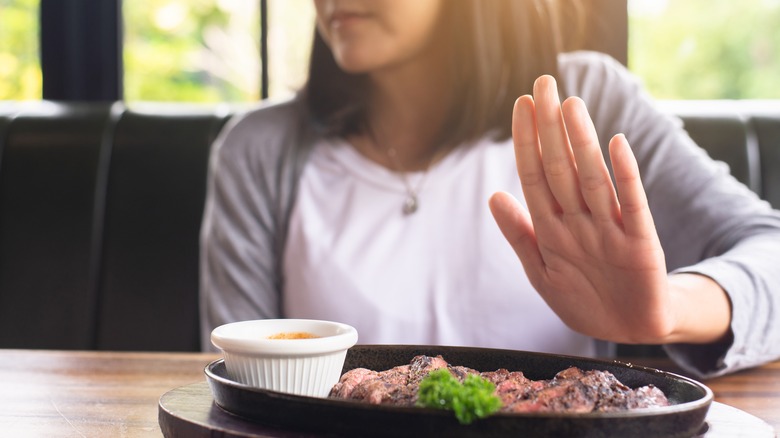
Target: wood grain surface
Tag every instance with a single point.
(110, 394)
(89, 394)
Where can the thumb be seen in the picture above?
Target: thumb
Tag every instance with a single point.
(516, 226)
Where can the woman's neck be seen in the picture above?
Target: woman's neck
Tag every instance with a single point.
(407, 109)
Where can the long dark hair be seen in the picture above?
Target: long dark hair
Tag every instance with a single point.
(501, 47)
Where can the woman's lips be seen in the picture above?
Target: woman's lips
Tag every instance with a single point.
(344, 18)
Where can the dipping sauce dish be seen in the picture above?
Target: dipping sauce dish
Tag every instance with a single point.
(296, 356)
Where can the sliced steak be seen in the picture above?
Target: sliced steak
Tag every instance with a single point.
(571, 390)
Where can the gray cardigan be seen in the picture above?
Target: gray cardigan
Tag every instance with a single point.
(707, 221)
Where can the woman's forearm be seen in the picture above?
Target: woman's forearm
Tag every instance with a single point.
(702, 309)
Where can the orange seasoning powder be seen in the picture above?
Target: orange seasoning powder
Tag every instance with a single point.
(293, 335)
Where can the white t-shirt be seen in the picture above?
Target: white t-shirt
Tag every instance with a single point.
(443, 275)
(708, 224)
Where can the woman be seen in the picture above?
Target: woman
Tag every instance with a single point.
(364, 199)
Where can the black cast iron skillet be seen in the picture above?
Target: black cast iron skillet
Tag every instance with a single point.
(342, 418)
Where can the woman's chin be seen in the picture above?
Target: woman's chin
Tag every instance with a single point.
(359, 61)
(355, 66)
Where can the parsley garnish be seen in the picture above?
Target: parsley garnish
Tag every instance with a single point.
(474, 398)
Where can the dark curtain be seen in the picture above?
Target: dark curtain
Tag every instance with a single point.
(81, 49)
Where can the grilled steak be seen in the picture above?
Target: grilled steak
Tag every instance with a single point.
(571, 390)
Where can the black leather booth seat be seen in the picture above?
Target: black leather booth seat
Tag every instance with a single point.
(100, 208)
(99, 216)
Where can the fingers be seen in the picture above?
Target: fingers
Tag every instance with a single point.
(594, 181)
(516, 226)
(634, 209)
(557, 158)
(529, 160)
(562, 168)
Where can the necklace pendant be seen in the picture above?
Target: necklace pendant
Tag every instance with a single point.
(410, 205)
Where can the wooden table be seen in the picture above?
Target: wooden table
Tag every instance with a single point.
(105, 394)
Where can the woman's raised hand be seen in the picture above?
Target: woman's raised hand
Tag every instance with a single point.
(589, 247)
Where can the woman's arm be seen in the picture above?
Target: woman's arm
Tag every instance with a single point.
(237, 274)
(252, 175)
(716, 235)
(590, 248)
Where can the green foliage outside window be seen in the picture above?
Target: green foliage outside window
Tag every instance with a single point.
(191, 50)
(208, 50)
(20, 72)
(706, 49)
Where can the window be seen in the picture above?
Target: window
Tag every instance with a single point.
(209, 50)
(192, 51)
(20, 71)
(290, 36)
(706, 49)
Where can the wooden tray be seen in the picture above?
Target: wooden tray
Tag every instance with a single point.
(190, 412)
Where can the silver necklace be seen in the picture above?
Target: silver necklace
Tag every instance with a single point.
(412, 202)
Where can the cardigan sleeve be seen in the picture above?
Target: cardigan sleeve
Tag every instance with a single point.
(708, 222)
(250, 188)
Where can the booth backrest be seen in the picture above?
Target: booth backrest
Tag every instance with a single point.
(744, 134)
(99, 216)
(100, 208)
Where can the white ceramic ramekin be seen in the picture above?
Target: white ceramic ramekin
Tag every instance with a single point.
(299, 366)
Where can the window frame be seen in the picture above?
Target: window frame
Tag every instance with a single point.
(81, 43)
(81, 50)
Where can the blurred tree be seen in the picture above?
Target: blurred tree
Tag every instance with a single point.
(20, 72)
(706, 49)
(191, 50)
(207, 50)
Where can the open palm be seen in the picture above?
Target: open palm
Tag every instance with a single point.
(589, 247)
